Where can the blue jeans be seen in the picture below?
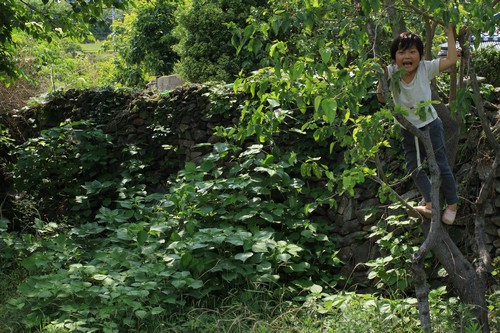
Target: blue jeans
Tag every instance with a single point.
(448, 185)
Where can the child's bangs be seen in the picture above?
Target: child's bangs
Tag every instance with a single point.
(408, 40)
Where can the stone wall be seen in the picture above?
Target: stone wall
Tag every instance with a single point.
(170, 126)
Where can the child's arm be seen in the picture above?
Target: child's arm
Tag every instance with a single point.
(380, 89)
(451, 56)
(380, 93)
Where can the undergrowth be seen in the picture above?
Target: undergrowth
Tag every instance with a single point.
(260, 310)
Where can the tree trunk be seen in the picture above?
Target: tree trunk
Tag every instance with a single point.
(470, 283)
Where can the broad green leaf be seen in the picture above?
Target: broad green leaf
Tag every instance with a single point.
(317, 103)
(178, 283)
(316, 289)
(329, 108)
(195, 284)
(265, 266)
(271, 172)
(141, 314)
(274, 103)
(246, 214)
(283, 257)
(243, 256)
(255, 45)
(259, 247)
(267, 217)
(229, 276)
(326, 54)
(142, 237)
(301, 267)
(157, 310)
(296, 71)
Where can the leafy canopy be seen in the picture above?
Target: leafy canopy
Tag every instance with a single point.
(46, 19)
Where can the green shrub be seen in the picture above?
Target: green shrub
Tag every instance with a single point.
(144, 42)
(145, 255)
(72, 170)
(395, 236)
(205, 31)
(487, 64)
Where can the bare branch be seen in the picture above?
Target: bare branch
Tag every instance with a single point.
(423, 13)
(487, 186)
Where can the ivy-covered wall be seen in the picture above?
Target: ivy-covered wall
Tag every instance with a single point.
(172, 128)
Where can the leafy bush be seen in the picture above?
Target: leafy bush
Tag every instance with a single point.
(144, 42)
(396, 238)
(487, 64)
(144, 255)
(204, 32)
(73, 169)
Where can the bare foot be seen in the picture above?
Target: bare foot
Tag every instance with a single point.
(425, 211)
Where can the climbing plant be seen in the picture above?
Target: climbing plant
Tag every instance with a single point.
(324, 59)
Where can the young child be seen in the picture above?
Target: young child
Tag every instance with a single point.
(412, 89)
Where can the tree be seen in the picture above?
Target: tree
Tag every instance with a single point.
(324, 67)
(144, 42)
(205, 31)
(45, 20)
(153, 38)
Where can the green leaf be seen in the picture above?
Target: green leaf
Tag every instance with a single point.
(283, 257)
(267, 217)
(157, 310)
(243, 256)
(301, 267)
(296, 71)
(316, 289)
(326, 54)
(178, 283)
(373, 274)
(195, 284)
(329, 107)
(317, 103)
(245, 215)
(221, 147)
(265, 266)
(141, 314)
(142, 237)
(259, 247)
(229, 276)
(274, 103)
(4, 223)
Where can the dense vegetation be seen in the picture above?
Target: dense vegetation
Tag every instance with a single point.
(95, 236)
(103, 247)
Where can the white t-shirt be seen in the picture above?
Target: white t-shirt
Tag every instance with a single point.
(418, 90)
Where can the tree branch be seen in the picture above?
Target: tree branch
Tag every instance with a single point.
(485, 192)
(423, 13)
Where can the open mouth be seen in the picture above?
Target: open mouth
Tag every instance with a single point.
(407, 63)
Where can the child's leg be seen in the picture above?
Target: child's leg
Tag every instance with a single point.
(418, 174)
(448, 184)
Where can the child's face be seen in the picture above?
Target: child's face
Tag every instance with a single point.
(408, 59)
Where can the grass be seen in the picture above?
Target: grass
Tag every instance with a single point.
(253, 311)
(91, 47)
(10, 276)
(341, 313)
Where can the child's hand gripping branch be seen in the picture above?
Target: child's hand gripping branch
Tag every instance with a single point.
(452, 54)
(411, 91)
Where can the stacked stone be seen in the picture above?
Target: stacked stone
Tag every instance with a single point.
(172, 128)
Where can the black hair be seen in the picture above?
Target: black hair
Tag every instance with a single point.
(406, 40)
